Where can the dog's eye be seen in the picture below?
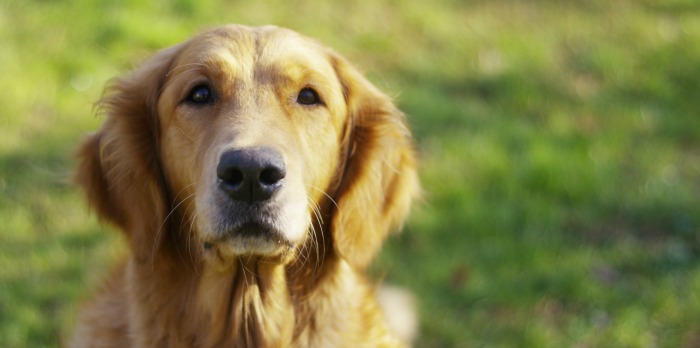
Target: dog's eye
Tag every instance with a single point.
(200, 95)
(308, 96)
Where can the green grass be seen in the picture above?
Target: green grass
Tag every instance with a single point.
(560, 147)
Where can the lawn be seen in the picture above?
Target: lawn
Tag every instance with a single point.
(559, 141)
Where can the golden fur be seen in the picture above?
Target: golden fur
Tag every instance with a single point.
(193, 278)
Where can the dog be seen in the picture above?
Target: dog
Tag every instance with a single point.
(254, 174)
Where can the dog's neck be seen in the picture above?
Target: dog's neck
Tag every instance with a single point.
(249, 304)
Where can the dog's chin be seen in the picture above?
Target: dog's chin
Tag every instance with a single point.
(248, 241)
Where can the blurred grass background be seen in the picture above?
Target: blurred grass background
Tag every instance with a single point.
(560, 145)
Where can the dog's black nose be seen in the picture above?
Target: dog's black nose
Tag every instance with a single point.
(251, 174)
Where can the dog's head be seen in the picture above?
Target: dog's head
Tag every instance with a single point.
(250, 141)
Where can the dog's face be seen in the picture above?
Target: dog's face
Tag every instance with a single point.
(251, 128)
(242, 135)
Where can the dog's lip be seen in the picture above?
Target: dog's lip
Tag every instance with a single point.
(249, 230)
(254, 229)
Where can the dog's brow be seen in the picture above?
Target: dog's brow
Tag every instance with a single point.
(273, 74)
(284, 74)
(181, 67)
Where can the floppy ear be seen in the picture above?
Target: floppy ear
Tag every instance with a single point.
(379, 180)
(119, 166)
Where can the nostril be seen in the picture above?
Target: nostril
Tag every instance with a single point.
(231, 176)
(271, 175)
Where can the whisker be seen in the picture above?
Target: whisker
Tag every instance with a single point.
(185, 134)
(192, 231)
(325, 194)
(315, 248)
(190, 236)
(183, 189)
(245, 271)
(303, 253)
(317, 212)
(160, 228)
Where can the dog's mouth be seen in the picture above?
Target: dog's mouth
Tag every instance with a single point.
(249, 238)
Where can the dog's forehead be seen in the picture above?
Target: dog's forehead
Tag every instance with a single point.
(241, 50)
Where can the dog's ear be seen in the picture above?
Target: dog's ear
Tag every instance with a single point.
(379, 179)
(119, 166)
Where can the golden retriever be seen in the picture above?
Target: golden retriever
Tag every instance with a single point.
(254, 174)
